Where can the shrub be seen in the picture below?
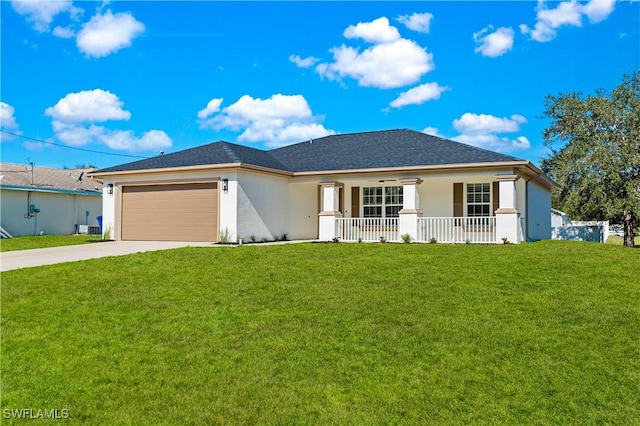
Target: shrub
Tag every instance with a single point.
(406, 238)
(432, 240)
(224, 236)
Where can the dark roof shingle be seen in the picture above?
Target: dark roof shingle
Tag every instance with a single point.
(368, 150)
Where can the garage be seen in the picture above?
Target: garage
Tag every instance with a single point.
(173, 212)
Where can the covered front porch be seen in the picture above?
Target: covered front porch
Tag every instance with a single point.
(483, 213)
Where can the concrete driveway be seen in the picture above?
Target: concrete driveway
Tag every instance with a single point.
(49, 256)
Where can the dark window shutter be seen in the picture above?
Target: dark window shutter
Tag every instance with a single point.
(458, 203)
(496, 196)
(355, 201)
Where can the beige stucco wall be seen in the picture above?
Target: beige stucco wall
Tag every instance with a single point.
(59, 213)
(262, 206)
(303, 211)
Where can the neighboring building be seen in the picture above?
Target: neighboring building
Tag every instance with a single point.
(39, 200)
(359, 186)
(559, 218)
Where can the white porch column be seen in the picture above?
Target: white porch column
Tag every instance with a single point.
(327, 217)
(408, 216)
(507, 216)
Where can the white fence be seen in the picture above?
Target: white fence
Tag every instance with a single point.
(367, 229)
(441, 229)
(457, 229)
(582, 231)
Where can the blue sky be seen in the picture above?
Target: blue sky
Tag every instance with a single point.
(131, 79)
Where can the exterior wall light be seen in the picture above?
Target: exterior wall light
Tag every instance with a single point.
(110, 189)
(225, 185)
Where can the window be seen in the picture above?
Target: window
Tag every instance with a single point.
(478, 199)
(379, 201)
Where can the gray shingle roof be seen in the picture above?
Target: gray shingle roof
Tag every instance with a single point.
(18, 176)
(368, 150)
(382, 149)
(214, 153)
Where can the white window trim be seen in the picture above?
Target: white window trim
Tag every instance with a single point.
(466, 202)
(383, 205)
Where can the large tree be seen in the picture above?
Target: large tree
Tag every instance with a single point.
(595, 153)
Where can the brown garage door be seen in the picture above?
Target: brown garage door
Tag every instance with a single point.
(177, 212)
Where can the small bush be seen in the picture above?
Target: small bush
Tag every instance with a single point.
(432, 240)
(383, 239)
(224, 236)
(406, 238)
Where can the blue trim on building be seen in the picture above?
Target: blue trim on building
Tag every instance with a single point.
(51, 190)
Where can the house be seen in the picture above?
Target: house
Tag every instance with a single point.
(355, 187)
(39, 200)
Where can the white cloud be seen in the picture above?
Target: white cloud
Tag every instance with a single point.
(88, 106)
(276, 121)
(42, 13)
(78, 135)
(391, 62)
(419, 95)
(566, 13)
(376, 31)
(307, 62)
(598, 10)
(125, 140)
(420, 22)
(482, 130)
(495, 142)
(75, 115)
(63, 32)
(384, 66)
(7, 119)
(433, 131)
(494, 44)
(108, 33)
(212, 107)
(483, 123)
(8, 122)
(75, 134)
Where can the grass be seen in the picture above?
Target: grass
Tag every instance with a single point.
(540, 333)
(43, 241)
(616, 240)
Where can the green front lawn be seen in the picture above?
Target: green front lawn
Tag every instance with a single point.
(43, 241)
(541, 333)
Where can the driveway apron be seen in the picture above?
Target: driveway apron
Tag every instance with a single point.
(48, 256)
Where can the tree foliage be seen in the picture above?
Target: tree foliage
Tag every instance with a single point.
(595, 153)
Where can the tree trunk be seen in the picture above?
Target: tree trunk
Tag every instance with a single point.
(629, 233)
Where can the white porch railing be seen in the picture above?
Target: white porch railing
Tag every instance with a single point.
(457, 229)
(367, 229)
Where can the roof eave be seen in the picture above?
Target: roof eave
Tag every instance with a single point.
(203, 167)
(430, 168)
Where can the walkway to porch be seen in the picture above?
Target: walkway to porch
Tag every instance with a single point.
(443, 229)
